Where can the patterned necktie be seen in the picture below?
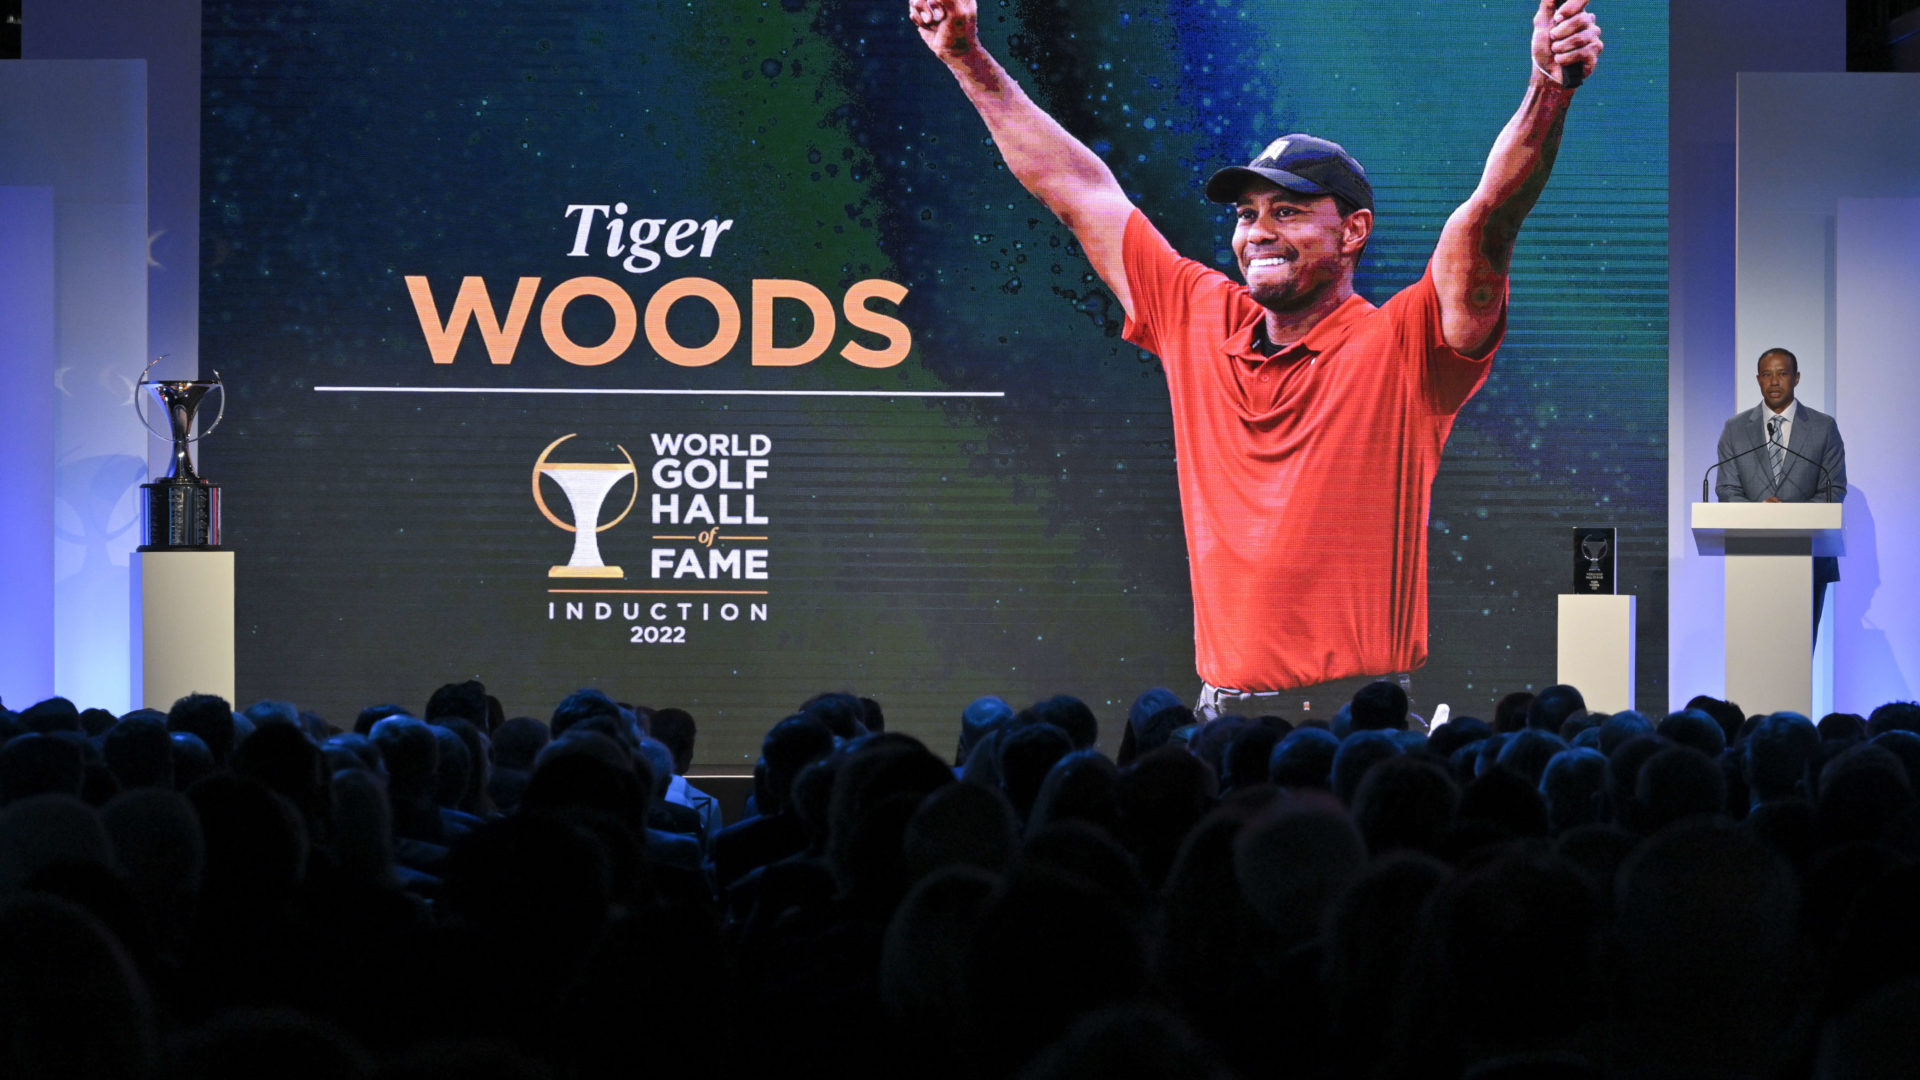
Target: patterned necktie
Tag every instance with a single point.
(1776, 452)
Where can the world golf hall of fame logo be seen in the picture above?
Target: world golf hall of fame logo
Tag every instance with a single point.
(586, 485)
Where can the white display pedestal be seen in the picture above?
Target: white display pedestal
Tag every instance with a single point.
(186, 625)
(1596, 649)
(1769, 549)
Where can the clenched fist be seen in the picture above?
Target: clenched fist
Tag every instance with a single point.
(949, 27)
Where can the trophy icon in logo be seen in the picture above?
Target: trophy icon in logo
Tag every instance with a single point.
(182, 508)
(1594, 548)
(586, 485)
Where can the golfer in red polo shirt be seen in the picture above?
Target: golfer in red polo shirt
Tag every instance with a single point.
(1308, 423)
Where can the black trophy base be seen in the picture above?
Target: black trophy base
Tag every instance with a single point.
(181, 515)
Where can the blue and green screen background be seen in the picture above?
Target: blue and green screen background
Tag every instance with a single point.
(923, 550)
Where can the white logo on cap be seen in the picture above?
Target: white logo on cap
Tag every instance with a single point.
(1275, 149)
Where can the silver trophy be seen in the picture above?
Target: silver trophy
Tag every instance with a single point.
(182, 508)
(586, 484)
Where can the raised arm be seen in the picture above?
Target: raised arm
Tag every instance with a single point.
(1056, 167)
(1470, 264)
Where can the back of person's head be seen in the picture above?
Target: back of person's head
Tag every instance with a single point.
(1157, 729)
(271, 711)
(923, 955)
(139, 752)
(585, 771)
(1861, 791)
(1211, 738)
(1875, 1038)
(465, 700)
(982, 717)
(1620, 727)
(517, 742)
(960, 824)
(282, 1042)
(1082, 786)
(1359, 752)
(42, 831)
(1574, 784)
(474, 800)
(53, 714)
(842, 714)
(1245, 763)
(1497, 807)
(1527, 752)
(256, 844)
(207, 716)
(1725, 715)
(36, 764)
(1623, 778)
(1067, 713)
(580, 705)
(362, 828)
(1842, 727)
(1456, 733)
(1027, 753)
(1135, 1039)
(1580, 722)
(1894, 716)
(1695, 728)
(1095, 956)
(1704, 957)
(789, 747)
(373, 714)
(1380, 706)
(411, 752)
(1904, 745)
(191, 760)
(659, 758)
(533, 877)
(1519, 937)
(1406, 803)
(1371, 932)
(72, 1004)
(1304, 760)
(1677, 783)
(1293, 860)
(1510, 713)
(876, 792)
(1162, 795)
(675, 728)
(1776, 755)
(1149, 703)
(452, 770)
(281, 756)
(1550, 708)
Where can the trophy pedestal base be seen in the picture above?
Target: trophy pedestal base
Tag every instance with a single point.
(586, 572)
(181, 515)
(186, 625)
(1596, 649)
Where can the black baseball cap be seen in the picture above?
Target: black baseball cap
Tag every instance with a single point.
(1301, 164)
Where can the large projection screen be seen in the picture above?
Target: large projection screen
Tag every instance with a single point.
(463, 264)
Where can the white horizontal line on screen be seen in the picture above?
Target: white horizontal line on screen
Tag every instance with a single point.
(680, 393)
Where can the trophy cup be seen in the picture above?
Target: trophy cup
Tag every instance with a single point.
(182, 508)
(586, 485)
(1595, 547)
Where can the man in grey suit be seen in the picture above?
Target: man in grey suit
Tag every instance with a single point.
(1771, 450)
(1782, 451)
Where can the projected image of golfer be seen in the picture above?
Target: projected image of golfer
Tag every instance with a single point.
(1308, 422)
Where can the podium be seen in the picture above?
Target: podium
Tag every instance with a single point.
(1769, 550)
(186, 625)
